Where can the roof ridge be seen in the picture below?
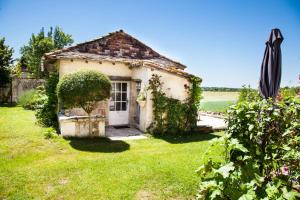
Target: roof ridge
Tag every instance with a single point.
(70, 48)
(81, 43)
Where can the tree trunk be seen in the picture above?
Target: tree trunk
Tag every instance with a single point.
(90, 128)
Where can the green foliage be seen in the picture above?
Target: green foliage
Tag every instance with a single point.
(262, 153)
(40, 44)
(46, 106)
(5, 62)
(28, 100)
(20, 65)
(193, 102)
(83, 89)
(171, 115)
(248, 94)
(288, 92)
(221, 89)
(50, 133)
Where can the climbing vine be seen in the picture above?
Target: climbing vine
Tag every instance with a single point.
(172, 116)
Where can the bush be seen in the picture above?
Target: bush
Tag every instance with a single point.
(83, 89)
(248, 94)
(46, 108)
(50, 133)
(28, 99)
(262, 153)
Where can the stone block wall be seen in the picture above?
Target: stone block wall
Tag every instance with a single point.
(17, 87)
(20, 85)
(79, 126)
(5, 93)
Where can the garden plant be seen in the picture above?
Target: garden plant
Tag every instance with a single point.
(172, 116)
(262, 153)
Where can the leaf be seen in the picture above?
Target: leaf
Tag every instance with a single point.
(225, 170)
(234, 144)
(216, 193)
(259, 179)
(287, 148)
(250, 195)
(272, 191)
(251, 127)
(247, 197)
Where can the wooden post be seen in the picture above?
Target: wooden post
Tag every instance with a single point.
(11, 93)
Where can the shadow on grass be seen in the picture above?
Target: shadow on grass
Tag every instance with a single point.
(104, 145)
(8, 104)
(196, 137)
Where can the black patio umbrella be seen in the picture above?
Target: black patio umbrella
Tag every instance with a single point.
(270, 75)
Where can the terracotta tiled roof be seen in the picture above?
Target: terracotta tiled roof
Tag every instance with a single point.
(118, 46)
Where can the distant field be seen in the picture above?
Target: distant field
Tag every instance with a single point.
(218, 101)
(219, 96)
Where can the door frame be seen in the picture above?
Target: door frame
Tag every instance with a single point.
(113, 115)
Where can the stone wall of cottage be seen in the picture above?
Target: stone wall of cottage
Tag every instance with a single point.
(133, 118)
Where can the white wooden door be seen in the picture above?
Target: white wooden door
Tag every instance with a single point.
(119, 105)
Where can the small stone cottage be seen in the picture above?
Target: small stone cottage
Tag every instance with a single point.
(129, 64)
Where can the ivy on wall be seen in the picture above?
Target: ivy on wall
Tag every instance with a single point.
(172, 116)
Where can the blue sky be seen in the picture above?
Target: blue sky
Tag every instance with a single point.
(220, 41)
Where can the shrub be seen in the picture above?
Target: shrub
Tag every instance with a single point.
(28, 99)
(262, 153)
(46, 107)
(248, 94)
(83, 89)
(50, 133)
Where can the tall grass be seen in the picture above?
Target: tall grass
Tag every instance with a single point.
(27, 99)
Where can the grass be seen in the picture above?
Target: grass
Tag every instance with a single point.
(216, 106)
(32, 167)
(218, 101)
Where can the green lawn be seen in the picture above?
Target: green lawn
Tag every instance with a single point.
(32, 167)
(216, 106)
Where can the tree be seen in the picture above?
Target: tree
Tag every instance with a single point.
(20, 66)
(83, 89)
(61, 39)
(40, 44)
(5, 62)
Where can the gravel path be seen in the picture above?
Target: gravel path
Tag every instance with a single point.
(214, 122)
